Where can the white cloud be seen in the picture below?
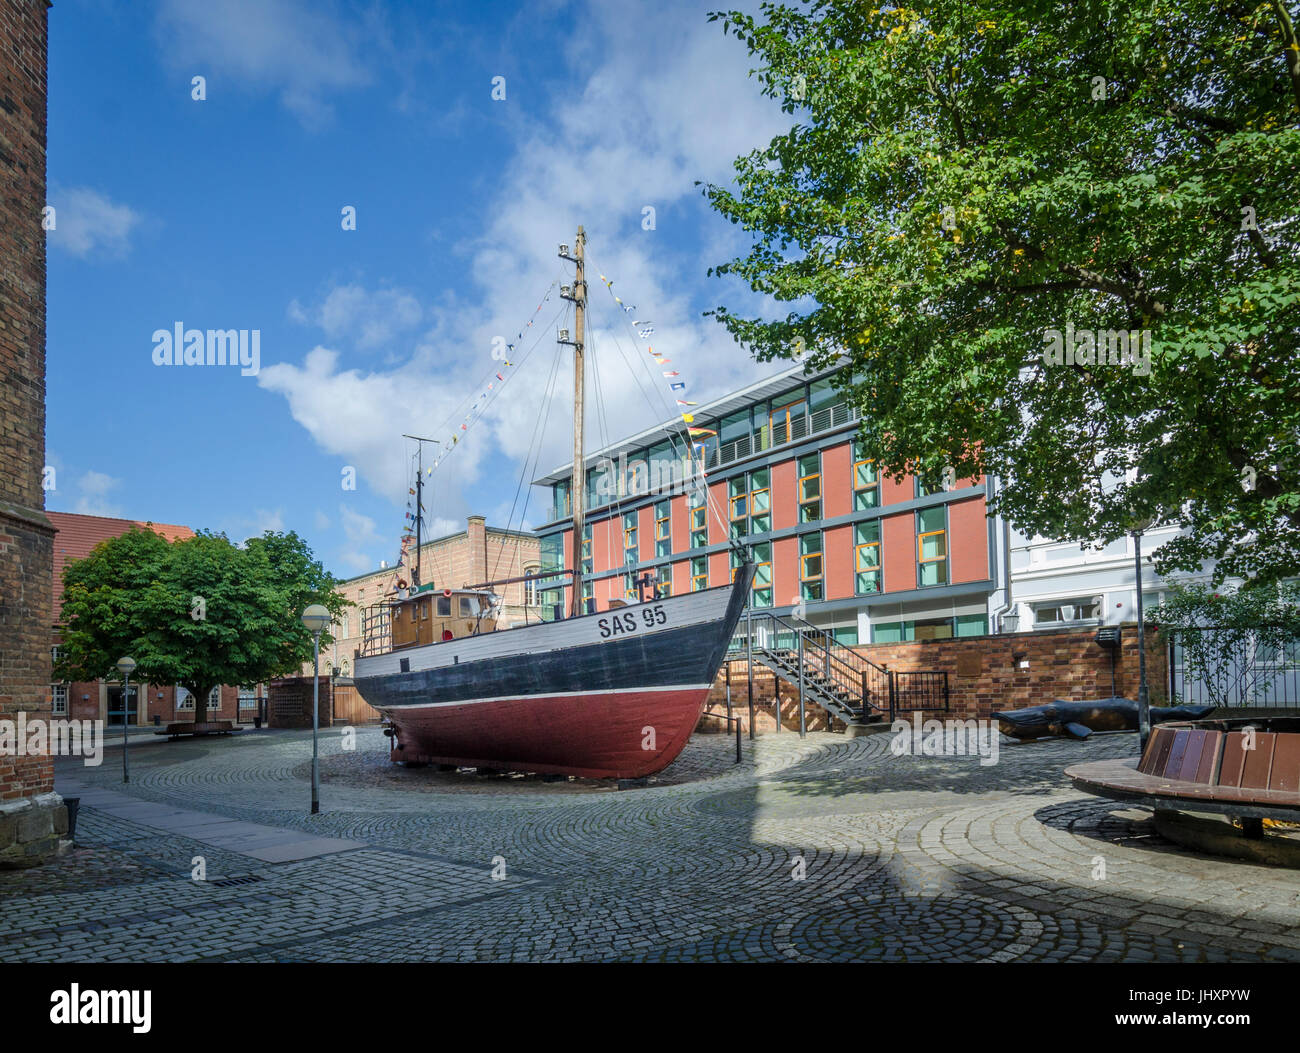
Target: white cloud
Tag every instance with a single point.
(667, 102)
(93, 488)
(363, 540)
(304, 51)
(86, 222)
(367, 319)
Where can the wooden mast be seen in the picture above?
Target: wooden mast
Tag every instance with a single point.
(578, 482)
(419, 504)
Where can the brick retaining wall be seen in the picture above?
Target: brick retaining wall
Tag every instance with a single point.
(984, 673)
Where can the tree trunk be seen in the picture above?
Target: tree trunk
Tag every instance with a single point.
(201, 704)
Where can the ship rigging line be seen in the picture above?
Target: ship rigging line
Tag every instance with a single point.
(530, 462)
(732, 541)
(496, 391)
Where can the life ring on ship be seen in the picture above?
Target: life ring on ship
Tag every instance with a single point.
(401, 583)
(447, 593)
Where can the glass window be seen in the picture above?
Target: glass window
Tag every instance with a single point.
(866, 556)
(699, 527)
(59, 697)
(928, 483)
(663, 528)
(760, 501)
(761, 591)
(810, 488)
(466, 607)
(734, 427)
(699, 573)
(932, 546)
(560, 500)
(810, 566)
(444, 607)
(629, 538)
(663, 581)
(663, 465)
(1082, 608)
(866, 480)
(821, 393)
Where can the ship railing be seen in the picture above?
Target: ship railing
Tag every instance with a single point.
(376, 630)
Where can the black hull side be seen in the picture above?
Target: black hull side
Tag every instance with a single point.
(689, 655)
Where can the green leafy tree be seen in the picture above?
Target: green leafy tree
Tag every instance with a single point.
(199, 612)
(1233, 640)
(963, 179)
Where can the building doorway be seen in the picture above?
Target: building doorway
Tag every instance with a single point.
(115, 706)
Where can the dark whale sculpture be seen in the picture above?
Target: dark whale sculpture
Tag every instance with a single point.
(1078, 720)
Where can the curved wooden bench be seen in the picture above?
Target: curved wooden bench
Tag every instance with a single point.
(1245, 768)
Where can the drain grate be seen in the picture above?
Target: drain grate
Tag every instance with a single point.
(227, 882)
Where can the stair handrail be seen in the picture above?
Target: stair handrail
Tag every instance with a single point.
(846, 674)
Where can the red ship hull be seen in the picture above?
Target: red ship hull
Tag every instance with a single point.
(599, 735)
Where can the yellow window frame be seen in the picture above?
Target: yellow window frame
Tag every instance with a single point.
(921, 557)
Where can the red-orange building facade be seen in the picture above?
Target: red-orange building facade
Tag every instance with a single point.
(871, 558)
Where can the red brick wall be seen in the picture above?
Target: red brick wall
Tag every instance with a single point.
(289, 702)
(984, 672)
(26, 537)
(1064, 664)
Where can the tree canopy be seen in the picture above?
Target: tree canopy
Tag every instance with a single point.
(198, 612)
(967, 186)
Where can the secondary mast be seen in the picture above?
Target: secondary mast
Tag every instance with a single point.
(578, 480)
(419, 503)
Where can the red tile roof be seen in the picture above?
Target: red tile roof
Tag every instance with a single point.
(78, 534)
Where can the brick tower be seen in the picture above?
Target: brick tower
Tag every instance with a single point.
(31, 815)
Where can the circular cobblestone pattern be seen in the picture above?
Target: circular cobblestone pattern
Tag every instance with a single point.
(820, 849)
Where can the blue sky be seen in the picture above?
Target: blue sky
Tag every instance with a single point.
(225, 213)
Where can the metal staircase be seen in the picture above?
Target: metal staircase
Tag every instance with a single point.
(837, 678)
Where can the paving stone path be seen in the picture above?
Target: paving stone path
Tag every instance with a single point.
(825, 849)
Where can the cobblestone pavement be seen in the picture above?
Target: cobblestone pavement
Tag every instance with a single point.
(827, 849)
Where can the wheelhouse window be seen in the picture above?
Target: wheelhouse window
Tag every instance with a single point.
(444, 608)
(810, 566)
(866, 557)
(810, 488)
(932, 546)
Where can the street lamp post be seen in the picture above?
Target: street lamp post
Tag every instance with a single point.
(1144, 698)
(126, 666)
(315, 618)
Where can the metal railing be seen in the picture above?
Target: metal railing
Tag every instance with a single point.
(770, 436)
(1237, 668)
(376, 630)
(859, 684)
